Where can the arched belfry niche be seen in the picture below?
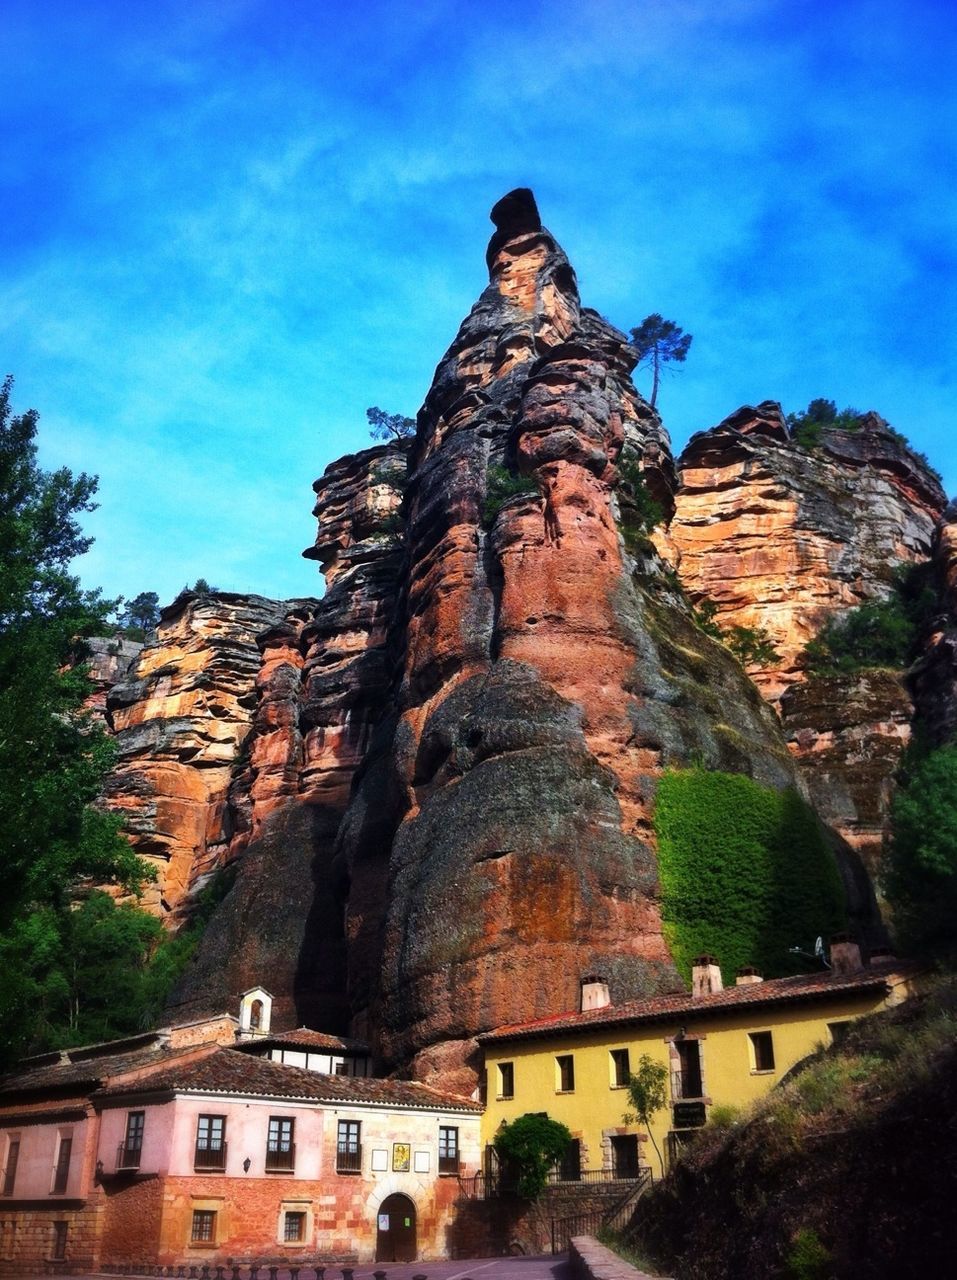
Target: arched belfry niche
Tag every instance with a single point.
(255, 1012)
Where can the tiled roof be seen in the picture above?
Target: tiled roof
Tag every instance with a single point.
(304, 1038)
(805, 986)
(76, 1069)
(230, 1071)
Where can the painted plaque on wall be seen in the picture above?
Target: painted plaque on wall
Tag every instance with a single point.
(401, 1157)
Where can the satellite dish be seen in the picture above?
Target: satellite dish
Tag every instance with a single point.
(819, 948)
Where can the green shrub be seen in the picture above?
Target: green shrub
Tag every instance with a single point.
(530, 1146)
(500, 485)
(806, 426)
(640, 512)
(752, 646)
(724, 1115)
(807, 1258)
(881, 633)
(746, 871)
(921, 884)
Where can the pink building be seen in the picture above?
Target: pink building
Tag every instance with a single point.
(150, 1152)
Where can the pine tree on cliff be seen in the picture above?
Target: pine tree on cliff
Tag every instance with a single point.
(389, 426)
(658, 342)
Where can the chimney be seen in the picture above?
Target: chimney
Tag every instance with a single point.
(845, 954)
(747, 976)
(594, 993)
(705, 976)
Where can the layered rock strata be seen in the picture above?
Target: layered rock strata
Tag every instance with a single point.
(934, 678)
(108, 659)
(780, 538)
(180, 719)
(500, 843)
(322, 684)
(848, 734)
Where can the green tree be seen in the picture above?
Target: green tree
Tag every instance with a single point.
(530, 1147)
(922, 881)
(142, 611)
(52, 755)
(389, 426)
(647, 1095)
(806, 426)
(659, 342)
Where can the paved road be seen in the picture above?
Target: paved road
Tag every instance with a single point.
(543, 1268)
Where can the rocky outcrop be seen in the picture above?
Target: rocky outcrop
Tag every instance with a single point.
(321, 685)
(934, 678)
(180, 720)
(108, 660)
(780, 538)
(499, 843)
(848, 734)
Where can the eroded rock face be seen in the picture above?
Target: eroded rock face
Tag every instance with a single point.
(780, 538)
(499, 843)
(322, 683)
(848, 734)
(109, 659)
(180, 719)
(935, 676)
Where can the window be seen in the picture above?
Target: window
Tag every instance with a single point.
(838, 1031)
(506, 1080)
(565, 1067)
(204, 1226)
(762, 1050)
(294, 1226)
(61, 1172)
(10, 1171)
(342, 1069)
(620, 1068)
(128, 1156)
(624, 1155)
(210, 1143)
(448, 1149)
(686, 1081)
(348, 1147)
(280, 1148)
(570, 1165)
(59, 1241)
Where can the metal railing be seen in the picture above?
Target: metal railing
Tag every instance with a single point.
(128, 1157)
(207, 1157)
(281, 1159)
(349, 1158)
(615, 1216)
(489, 1185)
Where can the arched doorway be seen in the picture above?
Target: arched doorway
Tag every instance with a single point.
(395, 1234)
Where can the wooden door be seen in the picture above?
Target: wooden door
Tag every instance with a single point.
(395, 1234)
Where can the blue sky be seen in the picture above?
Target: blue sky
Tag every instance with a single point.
(230, 227)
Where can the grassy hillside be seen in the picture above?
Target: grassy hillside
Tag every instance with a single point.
(847, 1170)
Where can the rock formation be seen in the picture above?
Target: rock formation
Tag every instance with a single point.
(436, 785)
(780, 537)
(180, 719)
(935, 676)
(499, 843)
(109, 659)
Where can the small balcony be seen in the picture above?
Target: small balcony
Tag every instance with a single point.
(281, 1159)
(210, 1157)
(449, 1165)
(349, 1159)
(127, 1157)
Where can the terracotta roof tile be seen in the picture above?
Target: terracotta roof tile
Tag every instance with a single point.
(230, 1071)
(304, 1038)
(805, 986)
(90, 1071)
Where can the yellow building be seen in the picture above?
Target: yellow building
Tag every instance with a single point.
(719, 1046)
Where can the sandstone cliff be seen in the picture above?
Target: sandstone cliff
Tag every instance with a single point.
(321, 685)
(935, 677)
(179, 719)
(436, 785)
(780, 537)
(500, 842)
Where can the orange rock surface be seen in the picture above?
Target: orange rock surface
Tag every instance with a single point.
(780, 538)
